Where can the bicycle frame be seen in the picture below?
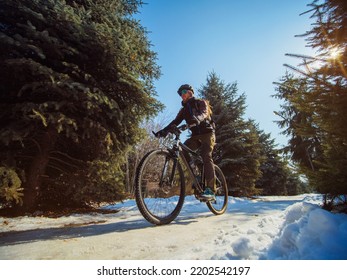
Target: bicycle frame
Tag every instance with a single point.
(177, 152)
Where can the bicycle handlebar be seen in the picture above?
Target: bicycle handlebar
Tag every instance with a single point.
(176, 129)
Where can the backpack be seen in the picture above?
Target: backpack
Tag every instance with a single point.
(209, 120)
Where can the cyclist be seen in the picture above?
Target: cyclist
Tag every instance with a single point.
(197, 111)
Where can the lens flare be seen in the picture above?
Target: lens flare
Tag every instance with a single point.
(335, 52)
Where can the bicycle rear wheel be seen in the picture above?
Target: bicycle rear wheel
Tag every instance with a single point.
(219, 206)
(159, 187)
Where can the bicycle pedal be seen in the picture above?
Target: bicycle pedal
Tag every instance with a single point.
(205, 199)
(201, 199)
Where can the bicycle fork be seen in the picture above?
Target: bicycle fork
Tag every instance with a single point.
(164, 177)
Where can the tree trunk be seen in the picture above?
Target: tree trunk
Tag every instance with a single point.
(127, 172)
(37, 170)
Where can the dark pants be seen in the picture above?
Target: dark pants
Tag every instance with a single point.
(206, 142)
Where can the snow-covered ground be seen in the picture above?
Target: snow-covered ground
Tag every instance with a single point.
(266, 228)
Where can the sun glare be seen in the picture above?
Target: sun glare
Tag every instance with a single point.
(335, 52)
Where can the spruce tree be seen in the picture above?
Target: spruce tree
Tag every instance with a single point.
(237, 148)
(76, 80)
(297, 120)
(277, 178)
(319, 100)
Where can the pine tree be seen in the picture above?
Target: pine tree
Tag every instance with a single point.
(76, 80)
(319, 101)
(237, 149)
(277, 178)
(272, 180)
(298, 121)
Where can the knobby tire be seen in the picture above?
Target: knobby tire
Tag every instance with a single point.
(220, 205)
(159, 203)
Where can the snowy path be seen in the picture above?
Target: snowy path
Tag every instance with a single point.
(242, 232)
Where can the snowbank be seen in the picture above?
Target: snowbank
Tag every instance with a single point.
(266, 228)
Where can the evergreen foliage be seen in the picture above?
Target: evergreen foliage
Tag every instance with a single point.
(314, 113)
(76, 80)
(237, 151)
(248, 156)
(272, 181)
(10, 185)
(147, 143)
(277, 178)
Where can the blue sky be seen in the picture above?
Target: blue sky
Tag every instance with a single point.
(241, 41)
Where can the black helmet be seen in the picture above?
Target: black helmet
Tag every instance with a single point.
(185, 86)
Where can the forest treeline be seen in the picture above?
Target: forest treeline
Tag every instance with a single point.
(78, 104)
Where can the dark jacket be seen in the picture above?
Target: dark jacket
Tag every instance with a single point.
(199, 109)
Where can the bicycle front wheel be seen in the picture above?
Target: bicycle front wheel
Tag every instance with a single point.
(219, 206)
(159, 187)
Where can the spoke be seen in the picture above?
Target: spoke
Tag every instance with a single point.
(161, 189)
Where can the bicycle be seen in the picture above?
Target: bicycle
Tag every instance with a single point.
(160, 182)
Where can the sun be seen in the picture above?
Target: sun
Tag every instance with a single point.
(335, 52)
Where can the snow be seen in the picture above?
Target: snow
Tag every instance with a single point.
(265, 228)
